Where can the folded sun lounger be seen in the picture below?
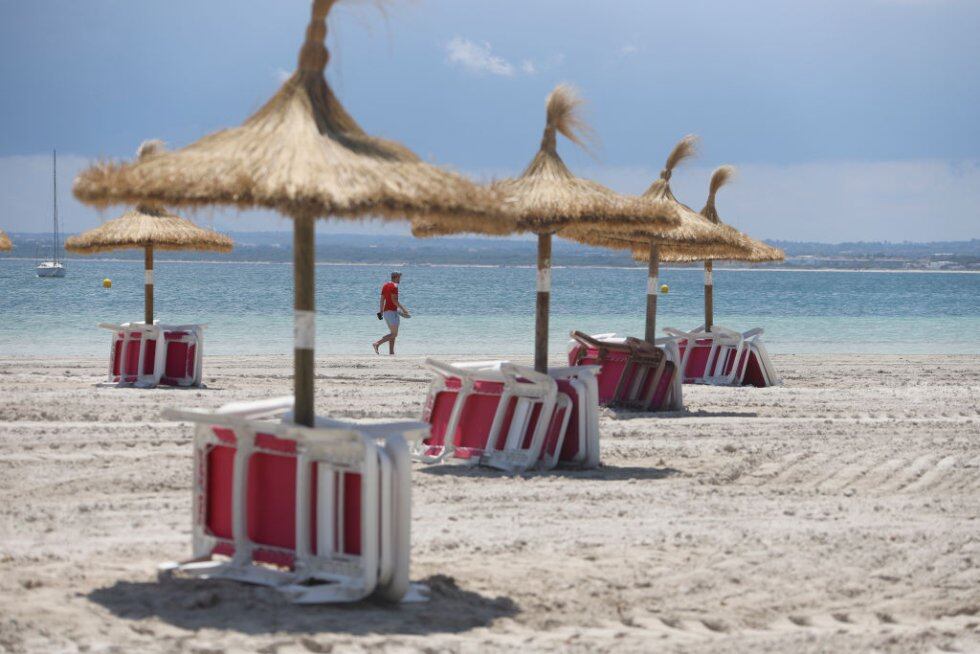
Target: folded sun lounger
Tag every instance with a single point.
(322, 513)
(633, 373)
(148, 355)
(493, 413)
(510, 417)
(724, 357)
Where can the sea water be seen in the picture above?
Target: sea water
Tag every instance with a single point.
(485, 310)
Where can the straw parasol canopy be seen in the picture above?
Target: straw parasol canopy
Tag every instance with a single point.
(748, 248)
(148, 227)
(694, 235)
(5, 244)
(745, 248)
(303, 155)
(300, 154)
(547, 197)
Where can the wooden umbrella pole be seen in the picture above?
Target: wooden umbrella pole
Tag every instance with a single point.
(148, 285)
(544, 299)
(653, 287)
(709, 296)
(304, 329)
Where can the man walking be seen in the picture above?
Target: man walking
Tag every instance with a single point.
(391, 311)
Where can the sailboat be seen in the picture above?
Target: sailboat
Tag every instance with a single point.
(54, 267)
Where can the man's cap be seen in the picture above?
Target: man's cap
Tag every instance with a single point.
(395, 272)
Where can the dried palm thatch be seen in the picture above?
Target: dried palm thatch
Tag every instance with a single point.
(301, 154)
(640, 245)
(5, 244)
(721, 176)
(148, 226)
(547, 196)
(751, 251)
(761, 252)
(745, 249)
(429, 228)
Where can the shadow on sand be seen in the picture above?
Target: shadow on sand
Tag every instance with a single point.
(199, 604)
(627, 414)
(603, 472)
(160, 387)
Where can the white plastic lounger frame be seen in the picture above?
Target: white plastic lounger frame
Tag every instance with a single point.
(563, 404)
(725, 345)
(135, 331)
(377, 452)
(525, 384)
(752, 340)
(583, 380)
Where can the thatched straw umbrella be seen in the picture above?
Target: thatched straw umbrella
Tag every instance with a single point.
(750, 249)
(303, 155)
(694, 236)
(746, 249)
(150, 228)
(548, 197)
(5, 244)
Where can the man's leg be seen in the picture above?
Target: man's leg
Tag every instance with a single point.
(384, 339)
(391, 339)
(388, 338)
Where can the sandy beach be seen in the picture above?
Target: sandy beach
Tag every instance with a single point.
(838, 512)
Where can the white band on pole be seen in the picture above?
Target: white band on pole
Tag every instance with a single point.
(148, 276)
(653, 285)
(304, 330)
(707, 278)
(544, 280)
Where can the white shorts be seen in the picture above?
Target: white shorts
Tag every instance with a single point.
(392, 318)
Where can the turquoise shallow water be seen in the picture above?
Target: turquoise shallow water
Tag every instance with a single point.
(485, 310)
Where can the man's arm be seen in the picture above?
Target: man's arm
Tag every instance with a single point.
(402, 307)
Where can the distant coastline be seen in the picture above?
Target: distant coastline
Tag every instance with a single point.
(372, 250)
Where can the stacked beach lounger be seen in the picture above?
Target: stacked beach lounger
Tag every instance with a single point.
(510, 417)
(632, 373)
(723, 357)
(321, 513)
(149, 355)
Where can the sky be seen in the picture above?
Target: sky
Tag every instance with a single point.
(847, 119)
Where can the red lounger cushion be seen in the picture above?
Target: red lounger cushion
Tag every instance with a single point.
(271, 499)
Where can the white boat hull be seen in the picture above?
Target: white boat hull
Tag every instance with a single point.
(50, 269)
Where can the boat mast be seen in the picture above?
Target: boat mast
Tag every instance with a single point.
(54, 173)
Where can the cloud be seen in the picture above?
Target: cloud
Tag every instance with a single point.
(915, 200)
(477, 57)
(628, 50)
(282, 75)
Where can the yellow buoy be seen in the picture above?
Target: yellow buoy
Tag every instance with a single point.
(106, 283)
(664, 289)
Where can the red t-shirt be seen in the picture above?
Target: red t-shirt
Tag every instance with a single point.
(390, 294)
